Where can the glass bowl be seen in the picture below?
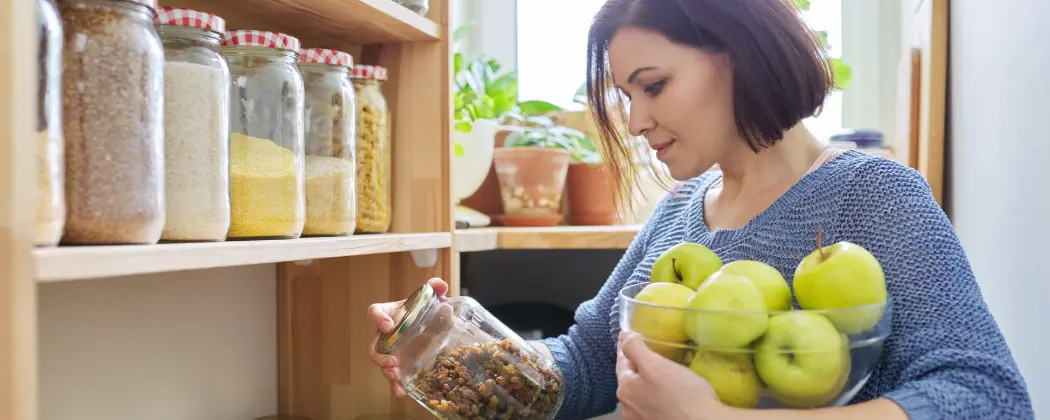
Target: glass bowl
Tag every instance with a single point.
(757, 359)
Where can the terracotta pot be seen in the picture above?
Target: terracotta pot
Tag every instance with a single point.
(591, 191)
(487, 199)
(531, 179)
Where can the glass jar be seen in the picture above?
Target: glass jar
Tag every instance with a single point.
(112, 114)
(373, 150)
(196, 126)
(266, 135)
(418, 6)
(460, 362)
(331, 126)
(50, 193)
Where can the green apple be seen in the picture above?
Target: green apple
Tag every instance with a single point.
(768, 280)
(731, 375)
(843, 276)
(662, 320)
(803, 359)
(727, 312)
(686, 263)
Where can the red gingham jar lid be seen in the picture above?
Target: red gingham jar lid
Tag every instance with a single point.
(368, 72)
(152, 4)
(325, 56)
(189, 18)
(253, 38)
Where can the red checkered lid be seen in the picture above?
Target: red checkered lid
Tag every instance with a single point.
(325, 56)
(152, 4)
(368, 72)
(190, 18)
(253, 38)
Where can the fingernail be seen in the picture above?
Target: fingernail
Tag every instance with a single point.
(387, 325)
(388, 361)
(390, 374)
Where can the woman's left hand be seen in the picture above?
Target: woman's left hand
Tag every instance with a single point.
(653, 387)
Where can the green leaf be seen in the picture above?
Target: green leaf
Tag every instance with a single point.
(537, 107)
(842, 72)
(823, 35)
(457, 149)
(461, 33)
(463, 127)
(802, 4)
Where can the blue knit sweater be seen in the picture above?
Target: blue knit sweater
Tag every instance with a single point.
(945, 358)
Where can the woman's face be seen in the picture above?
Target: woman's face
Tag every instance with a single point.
(680, 99)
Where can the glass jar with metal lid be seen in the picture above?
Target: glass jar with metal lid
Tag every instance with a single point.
(196, 126)
(331, 126)
(460, 362)
(266, 135)
(373, 150)
(50, 193)
(418, 6)
(113, 122)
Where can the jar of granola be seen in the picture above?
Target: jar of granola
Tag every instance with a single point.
(373, 150)
(460, 362)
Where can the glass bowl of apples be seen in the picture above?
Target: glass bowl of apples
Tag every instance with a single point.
(737, 326)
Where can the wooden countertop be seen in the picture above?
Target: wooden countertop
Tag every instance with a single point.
(557, 237)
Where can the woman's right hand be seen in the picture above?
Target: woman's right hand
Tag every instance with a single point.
(382, 314)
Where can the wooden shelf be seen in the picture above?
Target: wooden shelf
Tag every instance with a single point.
(324, 23)
(558, 237)
(86, 262)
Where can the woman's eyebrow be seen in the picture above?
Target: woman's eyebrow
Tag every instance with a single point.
(636, 72)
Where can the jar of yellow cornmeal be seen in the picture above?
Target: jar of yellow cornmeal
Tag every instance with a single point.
(266, 135)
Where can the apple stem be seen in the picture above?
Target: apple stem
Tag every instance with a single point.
(674, 268)
(820, 248)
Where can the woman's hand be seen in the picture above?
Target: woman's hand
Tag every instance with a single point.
(382, 314)
(652, 387)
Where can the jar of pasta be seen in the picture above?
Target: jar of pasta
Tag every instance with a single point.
(266, 135)
(113, 122)
(50, 194)
(196, 126)
(373, 150)
(331, 206)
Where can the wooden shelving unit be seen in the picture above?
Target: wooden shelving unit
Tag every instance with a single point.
(324, 284)
(559, 237)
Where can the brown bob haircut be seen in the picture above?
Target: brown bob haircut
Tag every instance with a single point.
(781, 74)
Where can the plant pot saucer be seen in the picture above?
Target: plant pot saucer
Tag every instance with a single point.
(530, 220)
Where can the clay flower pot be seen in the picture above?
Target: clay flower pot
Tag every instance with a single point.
(591, 191)
(531, 181)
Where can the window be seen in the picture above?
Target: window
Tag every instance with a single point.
(552, 44)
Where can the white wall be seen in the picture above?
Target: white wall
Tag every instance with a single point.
(196, 345)
(998, 172)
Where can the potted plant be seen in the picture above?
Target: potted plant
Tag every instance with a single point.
(480, 95)
(591, 187)
(531, 168)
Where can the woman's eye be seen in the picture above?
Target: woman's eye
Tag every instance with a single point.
(655, 88)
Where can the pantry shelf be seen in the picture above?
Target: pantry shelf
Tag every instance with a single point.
(80, 263)
(558, 237)
(327, 23)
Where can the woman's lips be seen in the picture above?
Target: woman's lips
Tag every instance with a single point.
(661, 149)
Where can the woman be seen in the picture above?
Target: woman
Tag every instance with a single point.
(728, 83)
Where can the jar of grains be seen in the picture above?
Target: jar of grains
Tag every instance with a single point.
(418, 6)
(331, 207)
(196, 126)
(112, 99)
(373, 150)
(266, 135)
(460, 362)
(50, 169)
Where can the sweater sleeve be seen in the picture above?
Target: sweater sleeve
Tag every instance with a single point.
(586, 355)
(946, 357)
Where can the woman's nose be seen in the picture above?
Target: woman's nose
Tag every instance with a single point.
(639, 122)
